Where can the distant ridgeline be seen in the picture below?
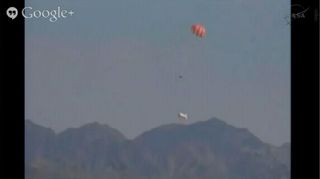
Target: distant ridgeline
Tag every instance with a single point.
(210, 149)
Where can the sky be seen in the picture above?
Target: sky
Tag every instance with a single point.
(118, 62)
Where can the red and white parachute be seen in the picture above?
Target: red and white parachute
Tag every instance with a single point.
(199, 30)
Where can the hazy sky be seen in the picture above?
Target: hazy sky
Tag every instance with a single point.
(118, 62)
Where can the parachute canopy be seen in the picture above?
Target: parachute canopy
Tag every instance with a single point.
(199, 30)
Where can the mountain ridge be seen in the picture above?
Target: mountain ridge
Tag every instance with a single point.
(205, 149)
(95, 123)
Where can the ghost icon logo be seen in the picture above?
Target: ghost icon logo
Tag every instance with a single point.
(12, 12)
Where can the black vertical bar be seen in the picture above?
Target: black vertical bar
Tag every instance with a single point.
(305, 90)
(11, 92)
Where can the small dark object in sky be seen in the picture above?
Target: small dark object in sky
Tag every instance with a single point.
(180, 76)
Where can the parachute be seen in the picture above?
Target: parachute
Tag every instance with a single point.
(182, 116)
(199, 30)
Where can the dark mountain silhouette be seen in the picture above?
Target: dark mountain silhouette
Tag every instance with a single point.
(203, 150)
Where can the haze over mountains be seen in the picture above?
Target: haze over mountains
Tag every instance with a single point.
(208, 149)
